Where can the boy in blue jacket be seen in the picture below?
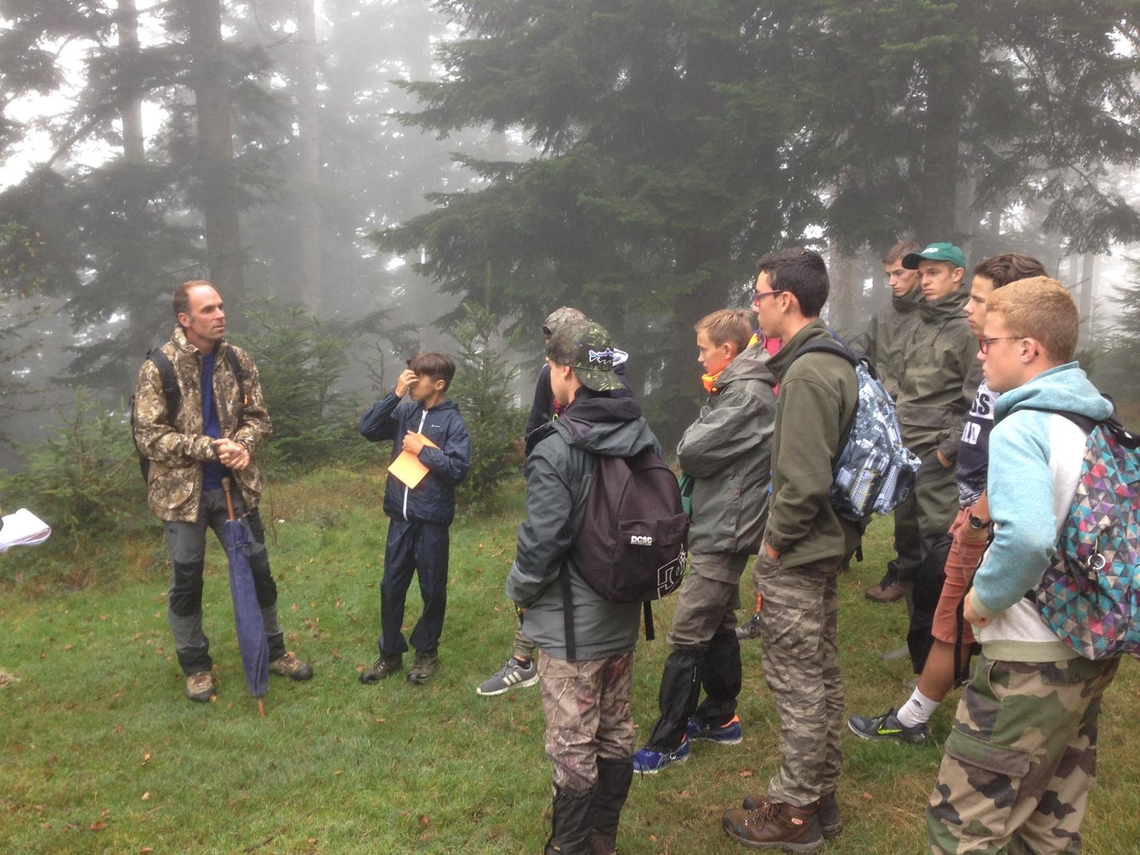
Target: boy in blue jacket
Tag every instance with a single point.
(418, 538)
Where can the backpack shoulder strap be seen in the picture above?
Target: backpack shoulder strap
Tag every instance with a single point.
(170, 388)
(837, 348)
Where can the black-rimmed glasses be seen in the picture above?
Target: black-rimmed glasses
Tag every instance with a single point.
(984, 343)
(757, 296)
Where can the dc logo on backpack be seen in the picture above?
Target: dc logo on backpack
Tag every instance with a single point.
(1089, 594)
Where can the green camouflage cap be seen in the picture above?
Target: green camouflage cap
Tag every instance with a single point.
(558, 317)
(935, 252)
(586, 347)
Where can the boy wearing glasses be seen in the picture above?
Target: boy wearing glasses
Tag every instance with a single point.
(805, 543)
(1021, 758)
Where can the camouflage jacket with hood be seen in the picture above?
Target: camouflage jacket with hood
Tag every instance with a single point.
(175, 442)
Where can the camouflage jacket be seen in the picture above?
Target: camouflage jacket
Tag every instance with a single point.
(177, 446)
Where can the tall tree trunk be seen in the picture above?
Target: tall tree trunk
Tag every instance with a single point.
(134, 150)
(1089, 274)
(217, 170)
(308, 182)
(941, 133)
(841, 311)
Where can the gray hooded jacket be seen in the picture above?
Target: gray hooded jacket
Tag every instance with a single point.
(728, 451)
(558, 474)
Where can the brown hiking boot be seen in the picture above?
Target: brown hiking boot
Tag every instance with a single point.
(885, 592)
(201, 687)
(424, 668)
(775, 825)
(292, 667)
(827, 812)
(384, 666)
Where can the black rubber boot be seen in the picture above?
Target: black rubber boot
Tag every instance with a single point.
(677, 698)
(614, 778)
(571, 821)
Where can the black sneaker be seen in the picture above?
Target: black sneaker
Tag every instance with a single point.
(886, 728)
(749, 630)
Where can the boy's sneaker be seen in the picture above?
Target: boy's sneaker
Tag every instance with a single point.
(383, 667)
(725, 734)
(292, 667)
(750, 630)
(513, 675)
(887, 727)
(424, 669)
(201, 687)
(650, 762)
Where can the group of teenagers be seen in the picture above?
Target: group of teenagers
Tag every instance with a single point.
(1020, 759)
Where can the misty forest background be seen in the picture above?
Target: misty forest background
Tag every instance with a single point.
(365, 178)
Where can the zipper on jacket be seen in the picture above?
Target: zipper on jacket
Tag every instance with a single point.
(407, 489)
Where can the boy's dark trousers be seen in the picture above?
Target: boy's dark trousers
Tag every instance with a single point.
(413, 547)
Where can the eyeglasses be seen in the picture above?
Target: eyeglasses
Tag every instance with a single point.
(757, 296)
(984, 343)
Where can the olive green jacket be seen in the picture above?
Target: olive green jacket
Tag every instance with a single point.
(177, 446)
(941, 374)
(816, 402)
(885, 342)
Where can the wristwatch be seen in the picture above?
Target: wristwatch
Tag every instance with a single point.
(979, 524)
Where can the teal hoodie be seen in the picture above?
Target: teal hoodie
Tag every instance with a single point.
(1035, 464)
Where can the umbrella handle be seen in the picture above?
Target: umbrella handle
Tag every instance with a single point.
(229, 497)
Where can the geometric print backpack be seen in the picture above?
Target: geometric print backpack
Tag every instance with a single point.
(1090, 593)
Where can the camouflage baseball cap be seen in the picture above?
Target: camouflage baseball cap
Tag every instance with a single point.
(586, 347)
(558, 317)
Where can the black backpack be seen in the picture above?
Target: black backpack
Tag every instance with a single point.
(173, 394)
(632, 545)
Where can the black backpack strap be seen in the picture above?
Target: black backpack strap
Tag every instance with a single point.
(170, 388)
(830, 345)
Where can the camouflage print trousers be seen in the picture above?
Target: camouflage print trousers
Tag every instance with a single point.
(799, 616)
(588, 716)
(1021, 759)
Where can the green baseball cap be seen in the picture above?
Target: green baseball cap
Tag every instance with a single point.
(586, 347)
(935, 252)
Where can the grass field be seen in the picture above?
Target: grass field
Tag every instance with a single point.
(102, 753)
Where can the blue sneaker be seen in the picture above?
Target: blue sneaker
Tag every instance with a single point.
(651, 762)
(726, 734)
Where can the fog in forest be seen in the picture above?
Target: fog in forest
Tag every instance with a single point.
(359, 178)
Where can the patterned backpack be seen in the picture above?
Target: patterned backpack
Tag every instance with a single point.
(1089, 594)
(874, 472)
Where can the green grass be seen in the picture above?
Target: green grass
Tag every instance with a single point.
(102, 752)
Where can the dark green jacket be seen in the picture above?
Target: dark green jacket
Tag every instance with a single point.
(818, 394)
(727, 451)
(885, 342)
(940, 378)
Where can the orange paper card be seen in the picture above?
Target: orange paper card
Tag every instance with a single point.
(407, 466)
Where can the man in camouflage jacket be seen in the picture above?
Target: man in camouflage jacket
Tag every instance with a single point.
(217, 425)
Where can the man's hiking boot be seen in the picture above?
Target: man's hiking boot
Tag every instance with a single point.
(201, 687)
(724, 734)
(424, 669)
(384, 666)
(650, 762)
(885, 592)
(292, 667)
(886, 728)
(751, 629)
(775, 825)
(826, 812)
(513, 675)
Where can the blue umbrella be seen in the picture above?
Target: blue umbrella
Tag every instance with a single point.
(247, 613)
